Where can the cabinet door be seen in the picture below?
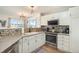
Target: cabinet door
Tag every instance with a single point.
(25, 44)
(63, 43)
(38, 40)
(43, 40)
(20, 45)
(32, 43)
(74, 35)
(43, 20)
(74, 12)
(66, 43)
(64, 18)
(60, 42)
(16, 47)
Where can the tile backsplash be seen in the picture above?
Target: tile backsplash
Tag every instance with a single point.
(56, 29)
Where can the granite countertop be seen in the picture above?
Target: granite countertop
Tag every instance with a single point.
(7, 41)
(31, 33)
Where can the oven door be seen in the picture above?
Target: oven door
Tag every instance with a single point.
(51, 39)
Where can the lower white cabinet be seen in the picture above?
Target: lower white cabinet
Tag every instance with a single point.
(25, 44)
(14, 48)
(63, 43)
(66, 43)
(38, 41)
(42, 39)
(20, 45)
(60, 42)
(30, 43)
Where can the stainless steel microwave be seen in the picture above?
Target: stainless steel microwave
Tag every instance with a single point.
(53, 22)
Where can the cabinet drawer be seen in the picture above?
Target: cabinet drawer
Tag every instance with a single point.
(66, 37)
(66, 44)
(60, 39)
(66, 41)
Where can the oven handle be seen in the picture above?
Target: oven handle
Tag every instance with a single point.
(51, 35)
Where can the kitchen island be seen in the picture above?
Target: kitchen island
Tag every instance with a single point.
(27, 38)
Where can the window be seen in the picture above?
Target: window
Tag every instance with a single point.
(32, 22)
(16, 23)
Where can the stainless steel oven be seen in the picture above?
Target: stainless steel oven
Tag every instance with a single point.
(51, 39)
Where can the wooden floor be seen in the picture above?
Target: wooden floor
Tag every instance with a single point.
(47, 49)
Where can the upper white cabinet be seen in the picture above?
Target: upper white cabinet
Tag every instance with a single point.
(74, 12)
(64, 18)
(46, 18)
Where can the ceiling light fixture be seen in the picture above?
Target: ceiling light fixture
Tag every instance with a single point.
(23, 14)
(32, 9)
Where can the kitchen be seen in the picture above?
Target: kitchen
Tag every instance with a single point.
(39, 29)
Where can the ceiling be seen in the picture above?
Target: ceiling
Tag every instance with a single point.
(14, 10)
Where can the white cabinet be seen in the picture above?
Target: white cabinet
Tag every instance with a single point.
(74, 12)
(30, 43)
(43, 38)
(15, 47)
(60, 42)
(20, 44)
(66, 43)
(63, 43)
(64, 18)
(46, 18)
(25, 45)
(40, 40)
(74, 35)
(43, 20)
(74, 29)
